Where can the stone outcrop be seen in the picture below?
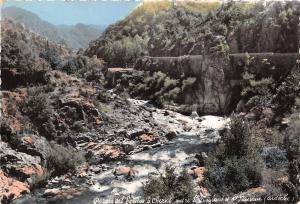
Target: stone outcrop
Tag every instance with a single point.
(26, 161)
(148, 138)
(65, 192)
(104, 152)
(125, 171)
(199, 174)
(10, 188)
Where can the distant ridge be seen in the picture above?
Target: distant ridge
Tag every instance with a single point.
(74, 36)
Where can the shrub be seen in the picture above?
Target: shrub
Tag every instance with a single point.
(257, 92)
(292, 145)
(292, 134)
(103, 96)
(237, 164)
(82, 66)
(37, 103)
(39, 181)
(287, 92)
(170, 83)
(39, 110)
(233, 176)
(124, 52)
(172, 94)
(170, 186)
(62, 159)
(74, 64)
(102, 107)
(16, 53)
(236, 139)
(52, 56)
(159, 88)
(266, 92)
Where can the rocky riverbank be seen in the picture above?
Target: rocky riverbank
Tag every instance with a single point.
(175, 140)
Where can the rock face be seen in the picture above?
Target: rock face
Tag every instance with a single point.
(198, 173)
(148, 138)
(24, 159)
(10, 188)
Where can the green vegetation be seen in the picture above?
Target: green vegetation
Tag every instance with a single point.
(27, 52)
(200, 7)
(236, 165)
(158, 87)
(163, 29)
(16, 52)
(293, 151)
(125, 51)
(38, 109)
(287, 92)
(170, 186)
(257, 92)
(263, 92)
(62, 159)
(102, 107)
(150, 8)
(242, 143)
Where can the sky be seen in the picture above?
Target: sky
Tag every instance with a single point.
(99, 12)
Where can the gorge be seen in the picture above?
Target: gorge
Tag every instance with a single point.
(174, 102)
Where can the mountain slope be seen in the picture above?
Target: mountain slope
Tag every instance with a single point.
(32, 21)
(164, 29)
(75, 37)
(174, 30)
(79, 35)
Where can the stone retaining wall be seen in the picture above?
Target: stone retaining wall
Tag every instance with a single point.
(218, 78)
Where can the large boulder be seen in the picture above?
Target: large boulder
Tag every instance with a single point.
(33, 145)
(26, 167)
(9, 157)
